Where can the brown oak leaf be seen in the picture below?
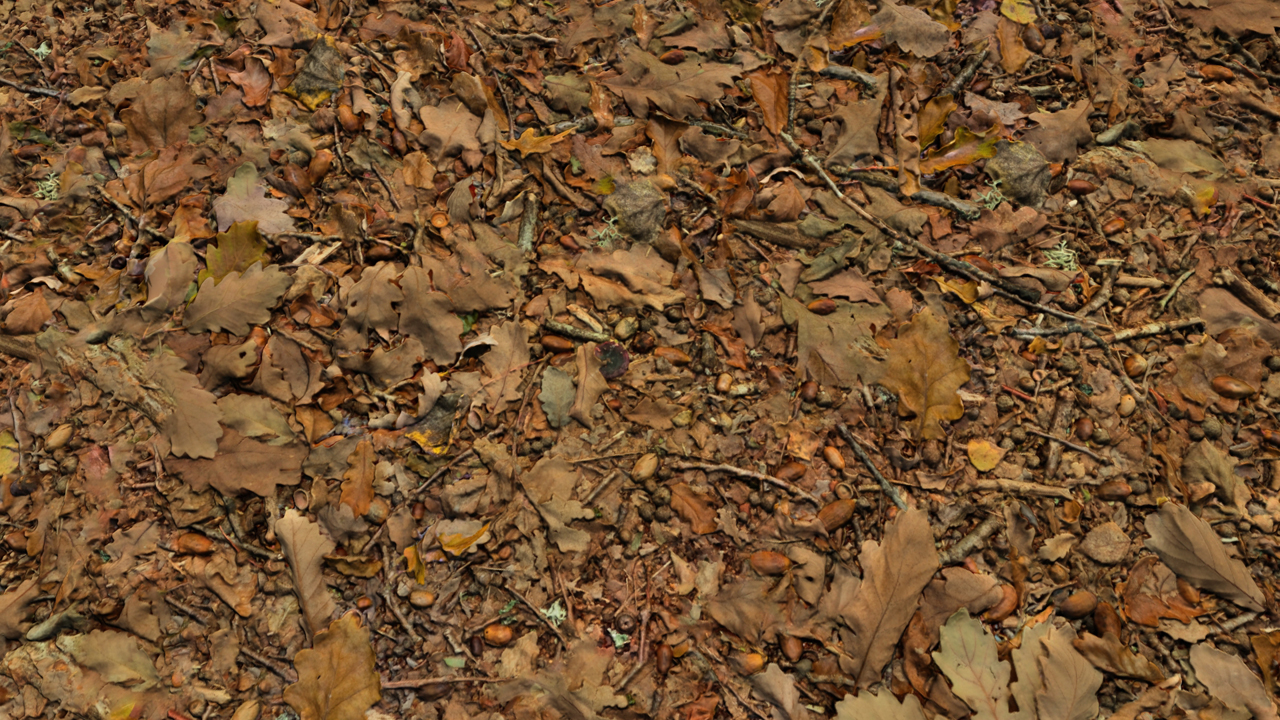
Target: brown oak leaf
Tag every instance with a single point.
(925, 370)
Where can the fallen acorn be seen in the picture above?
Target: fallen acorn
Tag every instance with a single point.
(645, 467)
(833, 457)
(791, 647)
(1127, 405)
(498, 635)
(59, 437)
(1217, 73)
(791, 471)
(750, 663)
(555, 343)
(1077, 186)
(675, 356)
(1135, 365)
(1114, 490)
(808, 391)
(835, 515)
(422, 598)
(768, 562)
(1078, 604)
(1232, 388)
(663, 658)
(723, 383)
(1084, 428)
(192, 543)
(1106, 620)
(822, 306)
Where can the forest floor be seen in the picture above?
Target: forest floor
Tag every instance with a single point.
(663, 358)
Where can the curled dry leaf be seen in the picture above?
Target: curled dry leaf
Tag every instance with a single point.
(305, 547)
(1191, 548)
(337, 677)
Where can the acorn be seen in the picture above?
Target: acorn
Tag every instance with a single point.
(750, 663)
(1105, 619)
(1233, 388)
(836, 514)
(662, 658)
(645, 468)
(498, 634)
(1127, 405)
(791, 471)
(768, 562)
(347, 117)
(192, 543)
(1078, 186)
(1113, 226)
(822, 306)
(319, 166)
(1216, 73)
(1135, 366)
(671, 57)
(60, 436)
(1084, 428)
(792, 647)
(675, 356)
(1114, 490)
(723, 383)
(424, 598)
(808, 391)
(1078, 604)
(557, 344)
(833, 457)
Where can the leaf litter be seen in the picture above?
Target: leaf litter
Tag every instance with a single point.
(499, 359)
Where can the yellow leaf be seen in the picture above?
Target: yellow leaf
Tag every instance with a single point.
(984, 454)
(1019, 11)
(432, 442)
(529, 143)
(1205, 198)
(416, 567)
(968, 292)
(933, 118)
(457, 543)
(8, 453)
(967, 148)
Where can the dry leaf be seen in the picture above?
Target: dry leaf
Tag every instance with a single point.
(192, 422)
(895, 571)
(694, 508)
(1230, 680)
(169, 274)
(925, 370)
(779, 689)
(1108, 654)
(370, 301)
(913, 30)
(771, 90)
(305, 547)
(530, 142)
(984, 454)
(162, 114)
(673, 88)
(1190, 547)
(451, 129)
(968, 658)
(357, 481)
(238, 249)
(1070, 690)
(115, 655)
(237, 302)
(427, 316)
(337, 677)
(590, 384)
(244, 464)
(884, 706)
(246, 200)
(13, 608)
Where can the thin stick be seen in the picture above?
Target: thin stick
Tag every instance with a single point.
(459, 458)
(858, 450)
(761, 477)
(391, 195)
(1104, 293)
(966, 74)
(1071, 445)
(17, 436)
(388, 563)
(541, 618)
(529, 222)
(967, 544)
(44, 92)
(423, 682)
(275, 667)
(606, 482)
(1017, 487)
(1155, 329)
(1164, 302)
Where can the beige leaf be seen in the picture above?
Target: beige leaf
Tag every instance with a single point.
(246, 200)
(428, 316)
(895, 571)
(779, 689)
(591, 385)
(305, 547)
(337, 677)
(673, 88)
(13, 608)
(192, 422)
(1190, 547)
(884, 706)
(925, 370)
(370, 301)
(450, 130)
(162, 114)
(1231, 681)
(244, 464)
(1070, 690)
(170, 272)
(114, 655)
(237, 302)
(968, 658)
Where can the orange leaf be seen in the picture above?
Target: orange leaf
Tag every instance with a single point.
(529, 143)
(966, 149)
(771, 92)
(694, 508)
(357, 482)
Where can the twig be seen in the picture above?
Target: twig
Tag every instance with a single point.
(606, 482)
(388, 560)
(576, 333)
(1158, 328)
(967, 544)
(391, 195)
(858, 450)
(17, 436)
(423, 682)
(541, 617)
(1069, 444)
(1248, 292)
(275, 667)
(43, 92)
(966, 210)
(794, 83)
(1058, 426)
(840, 72)
(1238, 621)
(529, 222)
(1164, 302)
(1017, 487)
(718, 129)
(185, 610)
(761, 477)
(966, 74)
(1020, 295)
(552, 176)
(1104, 293)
